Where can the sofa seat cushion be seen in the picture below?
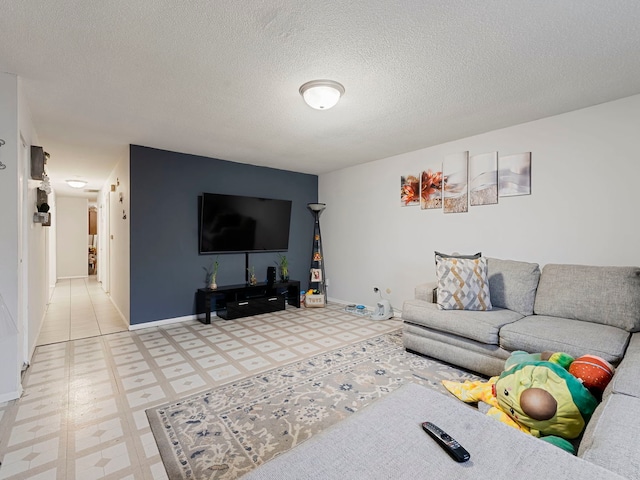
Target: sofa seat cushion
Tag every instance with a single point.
(606, 295)
(513, 284)
(612, 436)
(539, 333)
(462, 352)
(480, 326)
(626, 379)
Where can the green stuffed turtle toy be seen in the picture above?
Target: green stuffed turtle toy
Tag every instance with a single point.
(535, 394)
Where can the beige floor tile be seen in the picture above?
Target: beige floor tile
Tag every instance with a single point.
(84, 325)
(78, 334)
(55, 328)
(111, 321)
(53, 338)
(83, 320)
(108, 329)
(82, 414)
(59, 311)
(72, 311)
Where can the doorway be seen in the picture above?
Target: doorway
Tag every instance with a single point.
(93, 241)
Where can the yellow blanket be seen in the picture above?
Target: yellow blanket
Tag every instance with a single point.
(483, 391)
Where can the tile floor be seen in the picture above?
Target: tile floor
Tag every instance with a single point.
(79, 308)
(82, 414)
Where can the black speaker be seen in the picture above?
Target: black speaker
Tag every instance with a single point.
(271, 275)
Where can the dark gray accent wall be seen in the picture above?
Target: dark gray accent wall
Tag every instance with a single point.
(166, 269)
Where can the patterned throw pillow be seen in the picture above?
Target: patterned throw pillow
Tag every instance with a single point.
(462, 282)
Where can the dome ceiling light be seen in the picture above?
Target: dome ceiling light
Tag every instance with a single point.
(321, 94)
(76, 183)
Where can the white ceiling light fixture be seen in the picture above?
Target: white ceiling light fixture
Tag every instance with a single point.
(76, 183)
(321, 94)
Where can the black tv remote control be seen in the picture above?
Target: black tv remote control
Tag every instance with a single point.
(453, 448)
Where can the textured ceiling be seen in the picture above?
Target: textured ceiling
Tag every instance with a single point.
(220, 78)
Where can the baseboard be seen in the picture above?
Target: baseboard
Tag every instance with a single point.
(10, 396)
(169, 321)
(35, 344)
(124, 319)
(166, 321)
(337, 300)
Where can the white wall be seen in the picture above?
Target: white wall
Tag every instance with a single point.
(583, 208)
(10, 353)
(36, 257)
(72, 227)
(103, 237)
(52, 246)
(118, 255)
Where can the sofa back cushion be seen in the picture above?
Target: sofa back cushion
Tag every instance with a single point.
(513, 285)
(606, 295)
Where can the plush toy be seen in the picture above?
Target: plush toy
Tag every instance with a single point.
(539, 397)
(559, 358)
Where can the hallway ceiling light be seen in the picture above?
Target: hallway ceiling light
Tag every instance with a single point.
(76, 183)
(321, 94)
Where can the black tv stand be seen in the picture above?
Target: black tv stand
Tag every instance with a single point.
(243, 300)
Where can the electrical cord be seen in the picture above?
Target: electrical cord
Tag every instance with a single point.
(2, 165)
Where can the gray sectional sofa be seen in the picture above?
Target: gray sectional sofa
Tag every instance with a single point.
(575, 309)
(565, 308)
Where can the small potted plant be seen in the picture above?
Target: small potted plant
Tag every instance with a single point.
(212, 273)
(284, 267)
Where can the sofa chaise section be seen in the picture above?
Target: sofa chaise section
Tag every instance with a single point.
(612, 436)
(384, 440)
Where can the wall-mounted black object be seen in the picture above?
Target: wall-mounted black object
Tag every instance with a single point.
(41, 197)
(239, 224)
(38, 160)
(271, 275)
(42, 216)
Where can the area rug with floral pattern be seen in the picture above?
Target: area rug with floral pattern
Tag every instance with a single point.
(227, 431)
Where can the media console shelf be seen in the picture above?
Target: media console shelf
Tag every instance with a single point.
(236, 301)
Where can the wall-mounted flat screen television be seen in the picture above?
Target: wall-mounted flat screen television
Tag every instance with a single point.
(236, 224)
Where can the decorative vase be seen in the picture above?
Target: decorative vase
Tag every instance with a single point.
(284, 268)
(284, 275)
(253, 280)
(213, 285)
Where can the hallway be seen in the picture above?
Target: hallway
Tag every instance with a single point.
(79, 308)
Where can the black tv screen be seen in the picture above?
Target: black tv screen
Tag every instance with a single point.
(233, 223)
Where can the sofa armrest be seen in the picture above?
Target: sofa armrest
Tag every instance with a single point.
(425, 291)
